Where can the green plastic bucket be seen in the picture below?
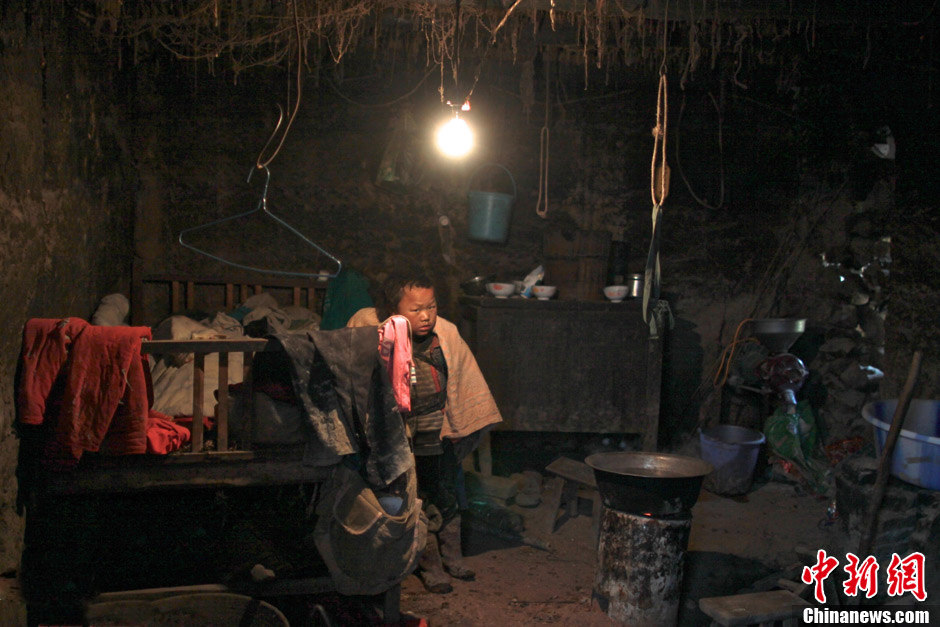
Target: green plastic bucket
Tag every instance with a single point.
(488, 213)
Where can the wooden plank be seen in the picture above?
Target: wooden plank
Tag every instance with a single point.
(221, 412)
(249, 408)
(203, 457)
(295, 297)
(229, 296)
(154, 277)
(190, 295)
(236, 345)
(553, 503)
(137, 293)
(148, 477)
(244, 292)
(755, 607)
(176, 304)
(573, 470)
(149, 594)
(199, 376)
(258, 288)
(315, 299)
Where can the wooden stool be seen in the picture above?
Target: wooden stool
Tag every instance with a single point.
(757, 608)
(576, 480)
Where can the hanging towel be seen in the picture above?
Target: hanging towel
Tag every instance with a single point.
(395, 352)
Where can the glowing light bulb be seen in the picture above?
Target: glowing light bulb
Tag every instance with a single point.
(454, 138)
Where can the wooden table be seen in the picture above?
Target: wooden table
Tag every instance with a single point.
(568, 366)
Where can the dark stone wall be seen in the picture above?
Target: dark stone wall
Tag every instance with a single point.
(65, 198)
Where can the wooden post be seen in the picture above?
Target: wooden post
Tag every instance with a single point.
(248, 407)
(244, 291)
(887, 455)
(199, 377)
(176, 303)
(137, 293)
(296, 297)
(221, 413)
(190, 295)
(229, 296)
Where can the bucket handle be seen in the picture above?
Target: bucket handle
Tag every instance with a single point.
(502, 167)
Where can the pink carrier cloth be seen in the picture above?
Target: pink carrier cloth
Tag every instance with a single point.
(395, 351)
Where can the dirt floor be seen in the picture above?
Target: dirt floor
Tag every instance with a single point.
(737, 544)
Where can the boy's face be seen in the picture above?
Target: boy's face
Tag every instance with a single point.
(419, 306)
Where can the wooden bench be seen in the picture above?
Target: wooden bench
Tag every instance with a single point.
(575, 479)
(205, 468)
(756, 608)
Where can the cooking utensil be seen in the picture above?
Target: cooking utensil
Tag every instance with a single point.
(476, 286)
(654, 484)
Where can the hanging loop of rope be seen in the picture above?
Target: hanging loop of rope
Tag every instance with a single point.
(652, 273)
(658, 192)
(260, 162)
(721, 160)
(541, 205)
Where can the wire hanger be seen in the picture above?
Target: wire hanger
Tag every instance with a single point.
(263, 207)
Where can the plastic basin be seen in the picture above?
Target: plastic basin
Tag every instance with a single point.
(916, 456)
(733, 451)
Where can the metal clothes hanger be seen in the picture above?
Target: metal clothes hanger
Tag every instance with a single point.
(263, 207)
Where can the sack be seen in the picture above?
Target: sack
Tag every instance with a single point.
(794, 439)
(366, 549)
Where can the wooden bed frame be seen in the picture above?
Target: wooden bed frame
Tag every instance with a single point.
(219, 467)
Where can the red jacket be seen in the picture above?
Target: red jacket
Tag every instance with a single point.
(89, 384)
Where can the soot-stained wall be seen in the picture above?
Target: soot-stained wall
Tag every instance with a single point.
(66, 196)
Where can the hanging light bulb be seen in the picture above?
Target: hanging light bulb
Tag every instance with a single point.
(454, 137)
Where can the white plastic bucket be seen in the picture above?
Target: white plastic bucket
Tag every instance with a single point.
(733, 451)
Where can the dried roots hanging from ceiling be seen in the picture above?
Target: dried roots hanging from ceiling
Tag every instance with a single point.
(241, 34)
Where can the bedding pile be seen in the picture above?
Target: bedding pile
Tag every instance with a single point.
(256, 317)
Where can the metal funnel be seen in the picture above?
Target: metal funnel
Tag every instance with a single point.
(778, 334)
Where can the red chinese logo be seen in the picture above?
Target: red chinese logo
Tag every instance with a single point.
(862, 576)
(903, 575)
(907, 575)
(817, 573)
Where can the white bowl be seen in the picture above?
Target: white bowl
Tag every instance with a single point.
(616, 293)
(500, 290)
(544, 292)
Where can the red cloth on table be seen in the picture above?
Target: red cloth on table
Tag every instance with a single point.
(90, 384)
(164, 434)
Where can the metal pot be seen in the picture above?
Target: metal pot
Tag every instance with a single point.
(654, 484)
(635, 284)
(477, 285)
